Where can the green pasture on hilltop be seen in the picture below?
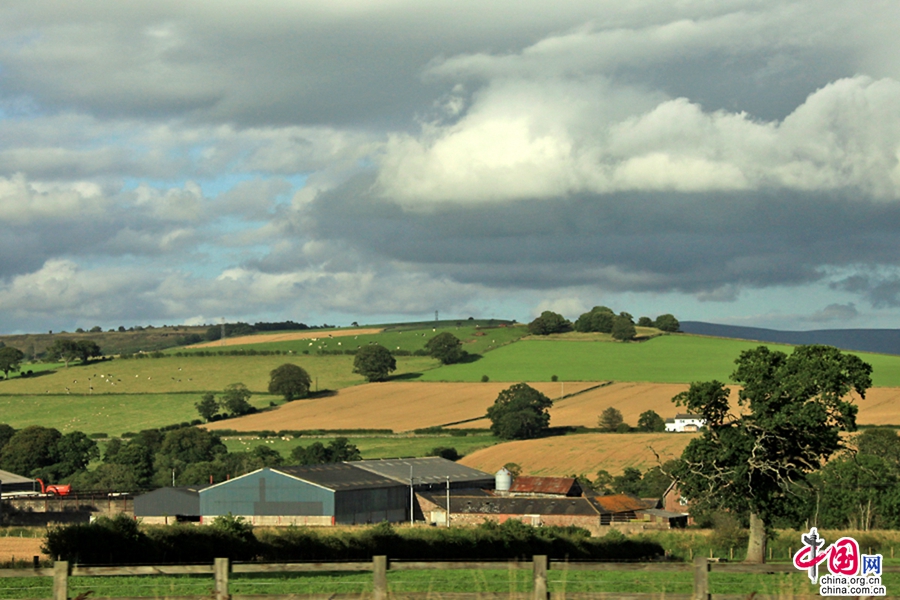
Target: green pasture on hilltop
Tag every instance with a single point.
(475, 340)
(108, 413)
(663, 359)
(173, 374)
(372, 446)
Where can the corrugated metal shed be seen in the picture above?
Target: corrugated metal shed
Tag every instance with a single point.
(429, 472)
(339, 492)
(558, 486)
(169, 502)
(338, 476)
(11, 482)
(519, 505)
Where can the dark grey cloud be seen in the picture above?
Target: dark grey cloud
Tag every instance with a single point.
(880, 289)
(693, 243)
(452, 150)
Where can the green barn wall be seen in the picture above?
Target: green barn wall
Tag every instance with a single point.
(267, 493)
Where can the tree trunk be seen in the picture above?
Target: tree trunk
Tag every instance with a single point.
(756, 545)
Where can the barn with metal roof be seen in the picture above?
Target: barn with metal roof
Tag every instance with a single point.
(308, 495)
(428, 473)
(169, 505)
(11, 483)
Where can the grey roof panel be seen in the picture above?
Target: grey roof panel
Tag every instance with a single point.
(337, 476)
(520, 505)
(7, 477)
(429, 470)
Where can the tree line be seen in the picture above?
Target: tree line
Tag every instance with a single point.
(601, 319)
(149, 459)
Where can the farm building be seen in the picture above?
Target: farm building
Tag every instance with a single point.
(169, 505)
(428, 473)
(309, 495)
(10, 483)
(474, 506)
(545, 486)
(684, 422)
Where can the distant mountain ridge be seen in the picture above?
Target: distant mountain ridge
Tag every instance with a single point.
(882, 341)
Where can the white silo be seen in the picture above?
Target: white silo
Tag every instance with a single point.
(502, 480)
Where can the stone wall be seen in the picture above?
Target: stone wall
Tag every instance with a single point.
(47, 509)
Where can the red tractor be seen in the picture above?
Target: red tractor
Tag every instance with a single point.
(56, 490)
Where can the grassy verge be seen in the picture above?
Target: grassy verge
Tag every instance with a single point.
(500, 580)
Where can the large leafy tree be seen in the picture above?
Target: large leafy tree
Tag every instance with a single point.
(10, 359)
(623, 327)
(610, 419)
(374, 362)
(598, 319)
(30, 449)
(549, 322)
(650, 421)
(68, 350)
(520, 412)
(290, 381)
(445, 347)
(667, 322)
(795, 407)
(235, 399)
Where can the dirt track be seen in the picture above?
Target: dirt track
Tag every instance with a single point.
(266, 338)
(400, 406)
(20, 548)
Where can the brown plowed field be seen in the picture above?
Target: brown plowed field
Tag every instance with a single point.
(584, 453)
(266, 338)
(400, 406)
(20, 548)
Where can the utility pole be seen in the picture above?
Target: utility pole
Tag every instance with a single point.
(448, 501)
(411, 497)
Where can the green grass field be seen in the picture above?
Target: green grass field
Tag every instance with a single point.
(664, 359)
(398, 446)
(195, 374)
(475, 340)
(501, 580)
(128, 395)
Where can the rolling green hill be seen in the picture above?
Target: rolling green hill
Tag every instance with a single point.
(663, 359)
(128, 395)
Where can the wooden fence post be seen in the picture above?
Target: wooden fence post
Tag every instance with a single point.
(379, 577)
(60, 580)
(701, 578)
(221, 571)
(540, 576)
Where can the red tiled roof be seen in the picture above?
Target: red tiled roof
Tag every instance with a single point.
(617, 503)
(542, 485)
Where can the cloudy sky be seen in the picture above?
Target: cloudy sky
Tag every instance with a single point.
(347, 160)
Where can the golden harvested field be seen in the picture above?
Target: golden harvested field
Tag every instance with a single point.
(404, 406)
(400, 406)
(266, 338)
(880, 407)
(631, 399)
(20, 548)
(584, 453)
